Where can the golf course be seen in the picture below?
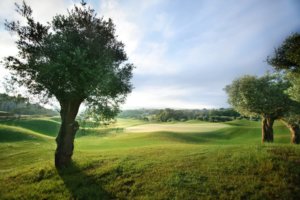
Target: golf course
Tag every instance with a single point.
(150, 100)
(134, 159)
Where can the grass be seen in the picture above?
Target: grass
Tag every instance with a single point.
(136, 160)
(44, 126)
(177, 127)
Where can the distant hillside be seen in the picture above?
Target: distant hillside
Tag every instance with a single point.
(10, 105)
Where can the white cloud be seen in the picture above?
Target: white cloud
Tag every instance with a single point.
(185, 53)
(7, 48)
(127, 31)
(162, 97)
(163, 24)
(153, 60)
(43, 11)
(149, 56)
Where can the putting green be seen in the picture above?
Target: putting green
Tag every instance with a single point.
(177, 127)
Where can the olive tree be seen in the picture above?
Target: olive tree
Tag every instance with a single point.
(286, 58)
(75, 58)
(260, 96)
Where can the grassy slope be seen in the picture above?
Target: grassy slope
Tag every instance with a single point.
(225, 163)
(44, 126)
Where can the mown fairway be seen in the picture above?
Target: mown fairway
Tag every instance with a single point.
(137, 160)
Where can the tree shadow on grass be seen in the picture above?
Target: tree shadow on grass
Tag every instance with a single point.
(81, 185)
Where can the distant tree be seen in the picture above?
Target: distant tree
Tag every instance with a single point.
(21, 106)
(263, 96)
(76, 58)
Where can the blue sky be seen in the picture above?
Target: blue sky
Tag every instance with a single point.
(185, 52)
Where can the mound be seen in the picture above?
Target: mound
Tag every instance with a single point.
(44, 126)
(14, 134)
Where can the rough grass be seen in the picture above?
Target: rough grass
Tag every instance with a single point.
(224, 161)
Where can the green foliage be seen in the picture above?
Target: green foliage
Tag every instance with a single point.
(167, 115)
(252, 96)
(138, 113)
(90, 118)
(75, 57)
(171, 115)
(287, 56)
(294, 90)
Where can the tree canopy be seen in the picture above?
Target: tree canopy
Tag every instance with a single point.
(252, 96)
(75, 58)
(287, 56)
(263, 96)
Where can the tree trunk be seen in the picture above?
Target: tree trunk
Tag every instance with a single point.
(295, 134)
(294, 130)
(66, 135)
(267, 129)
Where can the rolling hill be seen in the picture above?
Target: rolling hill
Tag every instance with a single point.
(133, 159)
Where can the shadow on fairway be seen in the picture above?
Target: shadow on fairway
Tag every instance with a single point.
(81, 185)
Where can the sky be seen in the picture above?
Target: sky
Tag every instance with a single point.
(185, 52)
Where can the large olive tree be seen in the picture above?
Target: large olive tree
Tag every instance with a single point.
(286, 58)
(75, 58)
(260, 96)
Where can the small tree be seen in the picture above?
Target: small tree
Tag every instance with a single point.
(76, 58)
(264, 96)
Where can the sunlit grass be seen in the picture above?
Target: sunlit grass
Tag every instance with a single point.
(207, 161)
(177, 127)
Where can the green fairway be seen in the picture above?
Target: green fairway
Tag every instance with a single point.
(133, 159)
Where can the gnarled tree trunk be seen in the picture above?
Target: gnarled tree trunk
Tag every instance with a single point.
(267, 129)
(294, 130)
(66, 135)
(295, 133)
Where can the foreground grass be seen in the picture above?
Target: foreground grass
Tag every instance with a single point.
(227, 162)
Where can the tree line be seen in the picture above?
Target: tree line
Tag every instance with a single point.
(168, 114)
(14, 106)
